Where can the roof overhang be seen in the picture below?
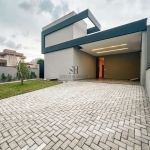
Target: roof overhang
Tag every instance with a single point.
(122, 44)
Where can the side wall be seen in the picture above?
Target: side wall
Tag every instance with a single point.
(86, 64)
(148, 46)
(12, 71)
(58, 63)
(148, 81)
(122, 66)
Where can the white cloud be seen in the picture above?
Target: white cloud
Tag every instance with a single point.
(21, 22)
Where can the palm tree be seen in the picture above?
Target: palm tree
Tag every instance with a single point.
(22, 71)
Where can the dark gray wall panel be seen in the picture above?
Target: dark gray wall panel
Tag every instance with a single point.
(122, 66)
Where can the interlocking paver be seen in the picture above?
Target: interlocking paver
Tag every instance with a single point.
(77, 115)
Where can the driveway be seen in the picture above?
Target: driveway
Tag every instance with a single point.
(77, 115)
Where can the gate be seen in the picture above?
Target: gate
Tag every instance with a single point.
(41, 70)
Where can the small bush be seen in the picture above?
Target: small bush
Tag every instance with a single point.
(32, 75)
(9, 77)
(3, 77)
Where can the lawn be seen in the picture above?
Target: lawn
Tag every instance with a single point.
(12, 89)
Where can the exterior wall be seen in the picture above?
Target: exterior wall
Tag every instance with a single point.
(143, 58)
(68, 33)
(58, 63)
(79, 29)
(148, 46)
(122, 66)
(148, 82)
(86, 64)
(59, 36)
(12, 71)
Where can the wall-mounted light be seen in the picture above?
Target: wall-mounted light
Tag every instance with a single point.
(112, 50)
(109, 47)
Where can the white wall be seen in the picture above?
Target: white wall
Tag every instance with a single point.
(143, 58)
(86, 64)
(79, 29)
(148, 81)
(58, 63)
(148, 46)
(12, 71)
(59, 36)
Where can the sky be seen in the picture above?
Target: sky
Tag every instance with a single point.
(21, 21)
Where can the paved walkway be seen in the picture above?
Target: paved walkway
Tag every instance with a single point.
(77, 115)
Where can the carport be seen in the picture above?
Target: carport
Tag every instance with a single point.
(118, 57)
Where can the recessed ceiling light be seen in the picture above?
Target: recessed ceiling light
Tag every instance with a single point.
(113, 50)
(109, 47)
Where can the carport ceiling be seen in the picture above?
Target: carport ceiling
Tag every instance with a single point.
(122, 44)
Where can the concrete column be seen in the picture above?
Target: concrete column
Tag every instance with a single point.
(143, 58)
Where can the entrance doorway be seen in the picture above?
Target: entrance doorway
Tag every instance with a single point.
(101, 67)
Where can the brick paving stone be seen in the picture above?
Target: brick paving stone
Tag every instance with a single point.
(49, 146)
(57, 145)
(81, 142)
(13, 145)
(46, 140)
(96, 139)
(89, 141)
(25, 148)
(121, 144)
(85, 147)
(95, 147)
(115, 146)
(38, 141)
(30, 142)
(86, 115)
(104, 146)
(137, 147)
(65, 144)
(74, 143)
(77, 148)
(22, 143)
(41, 146)
(4, 146)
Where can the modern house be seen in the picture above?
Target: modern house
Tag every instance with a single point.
(71, 51)
(10, 57)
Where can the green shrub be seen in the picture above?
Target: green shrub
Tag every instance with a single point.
(32, 75)
(9, 77)
(3, 77)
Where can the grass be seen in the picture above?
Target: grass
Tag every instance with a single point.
(12, 89)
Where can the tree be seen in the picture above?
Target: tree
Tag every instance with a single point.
(22, 71)
(40, 61)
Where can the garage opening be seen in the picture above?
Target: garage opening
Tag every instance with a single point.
(125, 66)
(117, 58)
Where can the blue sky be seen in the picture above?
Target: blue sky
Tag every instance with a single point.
(21, 21)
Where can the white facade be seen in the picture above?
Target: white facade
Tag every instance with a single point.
(58, 64)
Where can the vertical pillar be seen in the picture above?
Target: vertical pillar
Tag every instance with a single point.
(97, 67)
(143, 58)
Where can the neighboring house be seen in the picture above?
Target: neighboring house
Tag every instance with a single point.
(10, 57)
(33, 63)
(71, 51)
